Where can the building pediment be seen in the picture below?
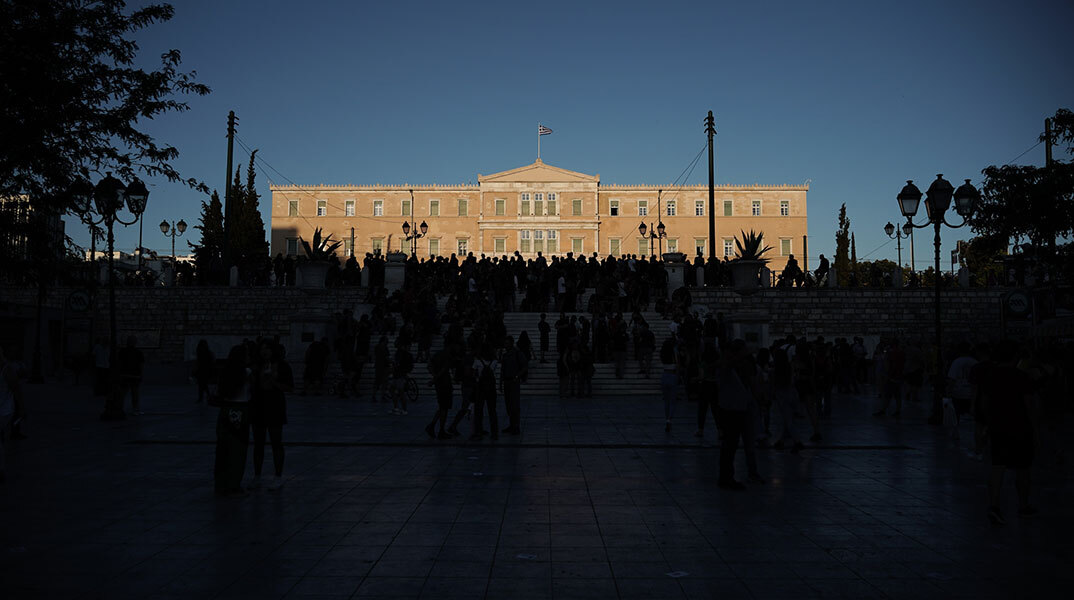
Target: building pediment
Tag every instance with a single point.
(538, 172)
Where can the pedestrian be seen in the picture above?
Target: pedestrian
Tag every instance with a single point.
(669, 380)
(204, 369)
(272, 379)
(892, 384)
(485, 371)
(1007, 392)
(232, 423)
(784, 398)
(737, 375)
(513, 367)
(130, 361)
(402, 365)
(546, 331)
(440, 368)
(708, 399)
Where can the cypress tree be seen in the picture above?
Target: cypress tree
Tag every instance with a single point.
(842, 247)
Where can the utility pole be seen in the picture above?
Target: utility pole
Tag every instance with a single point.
(710, 129)
(1047, 142)
(228, 231)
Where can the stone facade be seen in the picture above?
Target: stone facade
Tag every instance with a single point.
(543, 208)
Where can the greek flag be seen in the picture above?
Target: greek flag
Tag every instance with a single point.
(542, 130)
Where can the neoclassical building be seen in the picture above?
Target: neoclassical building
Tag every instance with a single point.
(539, 208)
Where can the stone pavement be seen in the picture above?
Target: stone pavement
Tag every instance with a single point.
(593, 501)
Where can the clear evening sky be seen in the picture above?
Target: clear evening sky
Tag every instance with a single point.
(854, 96)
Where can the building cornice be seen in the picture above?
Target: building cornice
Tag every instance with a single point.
(727, 187)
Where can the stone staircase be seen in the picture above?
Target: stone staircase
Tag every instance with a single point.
(542, 379)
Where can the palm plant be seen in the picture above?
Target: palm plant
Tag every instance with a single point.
(321, 248)
(751, 246)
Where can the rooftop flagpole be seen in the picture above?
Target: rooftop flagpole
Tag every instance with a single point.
(538, 141)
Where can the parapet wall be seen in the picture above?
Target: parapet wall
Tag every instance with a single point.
(168, 322)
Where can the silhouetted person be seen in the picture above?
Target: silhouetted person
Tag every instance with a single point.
(440, 368)
(131, 361)
(1007, 396)
(546, 331)
(271, 380)
(513, 368)
(232, 424)
(822, 270)
(204, 369)
(485, 370)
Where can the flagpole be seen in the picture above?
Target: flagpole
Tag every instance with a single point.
(538, 141)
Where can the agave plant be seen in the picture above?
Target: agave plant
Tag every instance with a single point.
(321, 248)
(751, 246)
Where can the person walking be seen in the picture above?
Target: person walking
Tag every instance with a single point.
(708, 399)
(513, 367)
(272, 379)
(204, 370)
(485, 370)
(232, 423)
(735, 380)
(440, 368)
(131, 361)
(784, 398)
(546, 332)
(402, 365)
(1007, 393)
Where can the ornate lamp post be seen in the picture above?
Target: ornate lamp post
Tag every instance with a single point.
(899, 236)
(657, 233)
(420, 232)
(108, 197)
(176, 230)
(937, 201)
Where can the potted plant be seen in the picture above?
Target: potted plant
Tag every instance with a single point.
(315, 268)
(745, 268)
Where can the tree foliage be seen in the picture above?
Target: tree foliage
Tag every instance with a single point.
(842, 246)
(247, 230)
(1022, 202)
(983, 257)
(211, 246)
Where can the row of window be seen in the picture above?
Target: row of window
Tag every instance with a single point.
(538, 206)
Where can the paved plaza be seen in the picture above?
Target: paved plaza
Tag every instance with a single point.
(593, 501)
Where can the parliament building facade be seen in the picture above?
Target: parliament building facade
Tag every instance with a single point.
(539, 208)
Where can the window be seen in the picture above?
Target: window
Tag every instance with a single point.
(643, 246)
(348, 208)
(292, 246)
(613, 246)
(784, 208)
(699, 208)
(434, 247)
(671, 208)
(377, 245)
(434, 208)
(523, 241)
(613, 208)
(322, 208)
(553, 241)
(699, 246)
(292, 208)
(462, 244)
(728, 209)
(551, 204)
(378, 208)
(538, 204)
(499, 245)
(784, 246)
(756, 208)
(348, 247)
(524, 205)
(538, 241)
(643, 208)
(673, 244)
(501, 207)
(576, 207)
(576, 246)
(463, 207)
(728, 247)
(407, 212)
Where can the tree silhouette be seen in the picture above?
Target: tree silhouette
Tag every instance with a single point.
(842, 247)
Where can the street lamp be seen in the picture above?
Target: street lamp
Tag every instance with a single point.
(898, 236)
(177, 230)
(108, 197)
(420, 232)
(937, 201)
(657, 233)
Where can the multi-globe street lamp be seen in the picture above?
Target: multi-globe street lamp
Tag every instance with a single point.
(108, 197)
(419, 232)
(937, 201)
(173, 231)
(657, 233)
(899, 236)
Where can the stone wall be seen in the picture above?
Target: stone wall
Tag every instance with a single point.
(168, 322)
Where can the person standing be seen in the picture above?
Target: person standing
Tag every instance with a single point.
(513, 369)
(708, 398)
(401, 368)
(272, 379)
(131, 362)
(669, 380)
(546, 331)
(736, 380)
(232, 424)
(485, 398)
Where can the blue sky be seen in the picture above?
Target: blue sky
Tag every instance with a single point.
(854, 96)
